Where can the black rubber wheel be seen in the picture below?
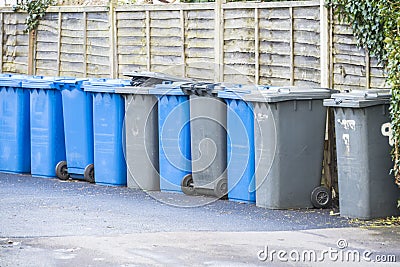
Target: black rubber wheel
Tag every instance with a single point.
(62, 170)
(321, 197)
(221, 188)
(187, 185)
(88, 174)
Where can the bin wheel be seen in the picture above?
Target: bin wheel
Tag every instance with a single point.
(62, 170)
(321, 197)
(187, 185)
(88, 174)
(221, 188)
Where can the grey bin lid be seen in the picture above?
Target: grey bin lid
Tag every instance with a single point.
(133, 90)
(280, 94)
(359, 98)
(150, 79)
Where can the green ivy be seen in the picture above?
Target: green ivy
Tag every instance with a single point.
(36, 10)
(376, 26)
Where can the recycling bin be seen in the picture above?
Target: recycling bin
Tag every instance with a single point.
(141, 123)
(46, 125)
(363, 142)
(240, 145)
(208, 141)
(289, 136)
(108, 131)
(78, 126)
(15, 145)
(174, 135)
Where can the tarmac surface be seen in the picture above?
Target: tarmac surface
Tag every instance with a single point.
(48, 222)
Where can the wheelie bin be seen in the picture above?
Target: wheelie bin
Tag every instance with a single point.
(78, 126)
(46, 125)
(289, 139)
(15, 145)
(141, 123)
(174, 135)
(208, 141)
(108, 131)
(240, 145)
(363, 141)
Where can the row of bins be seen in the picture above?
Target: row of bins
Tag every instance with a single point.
(254, 144)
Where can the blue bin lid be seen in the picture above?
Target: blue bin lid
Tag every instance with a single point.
(237, 91)
(39, 82)
(287, 93)
(70, 83)
(168, 88)
(104, 85)
(359, 98)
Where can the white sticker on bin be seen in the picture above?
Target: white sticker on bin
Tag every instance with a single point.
(348, 124)
(386, 130)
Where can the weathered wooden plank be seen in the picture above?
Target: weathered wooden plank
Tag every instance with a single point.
(132, 59)
(201, 74)
(102, 34)
(97, 70)
(165, 41)
(131, 49)
(275, 81)
(239, 34)
(203, 24)
(274, 35)
(46, 55)
(302, 83)
(243, 23)
(131, 32)
(306, 25)
(200, 34)
(275, 71)
(131, 16)
(307, 62)
(306, 74)
(240, 79)
(50, 47)
(162, 32)
(306, 37)
(278, 48)
(233, 14)
(166, 60)
(159, 16)
(349, 59)
(309, 13)
(307, 50)
(200, 14)
(197, 52)
(71, 57)
(274, 60)
(72, 40)
(239, 57)
(130, 23)
(275, 24)
(274, 13)
(240, 69)
(98, 42)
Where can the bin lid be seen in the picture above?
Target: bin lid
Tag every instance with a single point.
(359, 98)
(237, 91)
(287, 93)
(39, 82)
(69, 83)
(201, 88)
(104, 85)
(150, 79)
(168, 88)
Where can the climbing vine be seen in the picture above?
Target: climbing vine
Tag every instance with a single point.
(376, 26)
(36, 10)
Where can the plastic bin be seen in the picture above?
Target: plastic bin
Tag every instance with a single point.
(46, 125)
(363, 141)
(240, 145)
(174, 135)
(108, 131)
(15, 145)
(289, 139)
(78, 126)
(208, 141)
(141, 122)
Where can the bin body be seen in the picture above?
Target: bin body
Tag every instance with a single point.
(15, 148)
(46, 126)
(108, 131)
(142, 140)
(78, 126)
(174, 136)
(289, 141)
(366, 187)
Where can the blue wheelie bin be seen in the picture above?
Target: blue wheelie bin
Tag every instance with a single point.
(108, 119)
(15, 155)
(240, 145)
(46, 124)
(174, 135)
(78, 127)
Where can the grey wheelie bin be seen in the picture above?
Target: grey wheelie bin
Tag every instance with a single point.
(363, 142)
(208, 141)
(141, 129)
(289, 134)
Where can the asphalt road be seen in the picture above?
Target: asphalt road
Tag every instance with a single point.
(47, 222)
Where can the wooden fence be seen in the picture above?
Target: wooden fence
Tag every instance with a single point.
(278, 43)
